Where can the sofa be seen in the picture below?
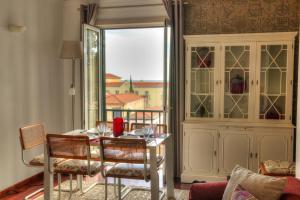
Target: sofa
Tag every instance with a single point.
(215, 190)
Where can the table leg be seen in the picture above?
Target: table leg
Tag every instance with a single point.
(154, 175)
(48, 177)
(169, 168)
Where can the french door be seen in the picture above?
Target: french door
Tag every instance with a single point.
(93, 68)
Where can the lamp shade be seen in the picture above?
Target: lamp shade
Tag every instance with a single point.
(71, 50)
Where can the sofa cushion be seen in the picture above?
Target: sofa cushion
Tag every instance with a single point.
(262, 187)
(207, 191)
(241, 193)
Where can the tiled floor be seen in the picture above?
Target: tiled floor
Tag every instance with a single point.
(24, 191)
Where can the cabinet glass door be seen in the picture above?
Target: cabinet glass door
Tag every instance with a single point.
(273, 82)
(236, 86)
(202, 82)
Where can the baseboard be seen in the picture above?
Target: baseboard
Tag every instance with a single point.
(17, 186)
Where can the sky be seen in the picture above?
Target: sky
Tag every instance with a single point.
(135, 52)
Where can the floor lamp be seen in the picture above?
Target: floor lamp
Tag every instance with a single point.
(72, 50)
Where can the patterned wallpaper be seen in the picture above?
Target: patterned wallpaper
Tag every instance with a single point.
(241, 16)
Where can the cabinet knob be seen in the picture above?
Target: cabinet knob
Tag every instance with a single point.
(252, 82)
(215, 152)
(256, 155)
(217, 82)
(256, 82)
(251, 155)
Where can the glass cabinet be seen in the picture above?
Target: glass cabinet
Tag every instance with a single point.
(236, 82)
(202, 77)
(248, 78)
(273, 81)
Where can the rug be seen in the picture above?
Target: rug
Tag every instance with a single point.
(97, 193)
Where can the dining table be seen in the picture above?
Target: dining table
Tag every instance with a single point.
(152, 145)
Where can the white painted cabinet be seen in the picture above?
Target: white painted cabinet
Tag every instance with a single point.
(238, 102)
(203, 143)
(235, 147)
(200, 143)
(273, 145)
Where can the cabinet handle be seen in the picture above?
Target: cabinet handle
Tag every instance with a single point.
(252, 82)
(251, 155)
(256, 155)
(220, 81)
(215, 153)
(256, 82)
(217, 82)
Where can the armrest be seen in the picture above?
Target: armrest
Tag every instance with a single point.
(207, 191)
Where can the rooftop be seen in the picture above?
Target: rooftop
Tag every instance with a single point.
(121, 99)
(112, 76)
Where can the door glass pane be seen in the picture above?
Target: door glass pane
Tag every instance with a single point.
(236, 86)
(91, 73)
(273, 81)
(202, 82)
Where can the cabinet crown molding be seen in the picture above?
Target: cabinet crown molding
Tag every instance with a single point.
(246, 37)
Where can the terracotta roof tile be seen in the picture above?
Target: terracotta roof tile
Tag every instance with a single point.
(121, 99)
(147, 84)
(112, 76)
(114, 84)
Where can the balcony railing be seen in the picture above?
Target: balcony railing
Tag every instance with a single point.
(137, 116)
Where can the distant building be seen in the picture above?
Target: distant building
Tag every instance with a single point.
(152, 91)
(123, 101)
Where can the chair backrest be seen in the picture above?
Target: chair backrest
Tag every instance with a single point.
(31, 136)
(123, 150)
(68, 146)
(161, 129)
(109, 124)
(138, 126)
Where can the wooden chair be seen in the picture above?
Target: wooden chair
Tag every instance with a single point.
(31, 137)
(159, 129)
(136, 125)
(76, 149)
(130, 156)
(109, 124)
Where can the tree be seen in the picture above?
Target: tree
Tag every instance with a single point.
(130, 86)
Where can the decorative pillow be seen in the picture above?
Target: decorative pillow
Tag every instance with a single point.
(238, 174)
(262, 187)
(279, 167)
(240, 193)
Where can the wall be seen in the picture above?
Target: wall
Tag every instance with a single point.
(241, 16)
(71, 31)
(30, 78)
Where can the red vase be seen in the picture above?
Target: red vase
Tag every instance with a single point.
(118, 126)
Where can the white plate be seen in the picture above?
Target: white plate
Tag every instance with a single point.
(138, 132)
(129, 136)
(93, 130)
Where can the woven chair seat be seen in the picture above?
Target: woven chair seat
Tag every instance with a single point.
(39, 161)
(129, 171)
(136, 156)
(78, 167)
